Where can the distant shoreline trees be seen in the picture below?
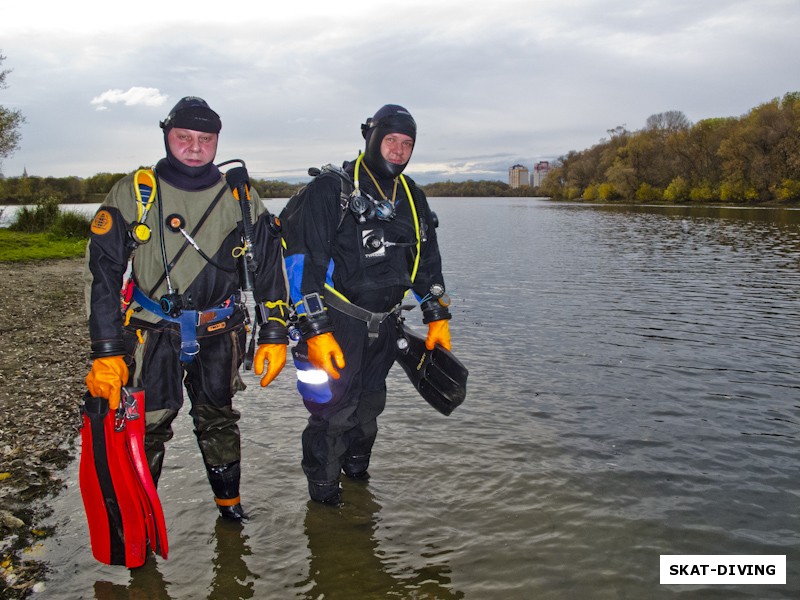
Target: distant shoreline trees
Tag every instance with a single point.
(753, 159)
(74, 190)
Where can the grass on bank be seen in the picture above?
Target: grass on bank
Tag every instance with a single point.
(44, 232)
(16, 246)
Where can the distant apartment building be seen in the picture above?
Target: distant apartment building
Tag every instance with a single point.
(540, 171)
(518, 176)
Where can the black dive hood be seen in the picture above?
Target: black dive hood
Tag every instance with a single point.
(390, 118)
(195, 114)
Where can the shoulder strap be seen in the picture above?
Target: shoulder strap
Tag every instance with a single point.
(347, 186)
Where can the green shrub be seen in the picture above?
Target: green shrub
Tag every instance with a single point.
(788, 191)
(702, 193)
(590, 193)
(71, 224)
(737, 192)
(648, 193)
(606, 191)
(47, 217)
(38, 219)
(677, 190)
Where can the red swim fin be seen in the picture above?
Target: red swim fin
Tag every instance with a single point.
(109, 487)
(133, 401)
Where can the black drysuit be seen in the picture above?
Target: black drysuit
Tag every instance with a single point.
(370, 264)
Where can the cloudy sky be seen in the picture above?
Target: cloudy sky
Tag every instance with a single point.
(489, 83)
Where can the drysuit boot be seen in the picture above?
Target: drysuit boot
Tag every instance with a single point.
(325, 492)
(355, 467)
(224, 480)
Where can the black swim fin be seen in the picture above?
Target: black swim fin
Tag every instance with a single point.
(437, 374)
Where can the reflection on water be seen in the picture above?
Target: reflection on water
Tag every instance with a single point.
(232, 577)
(345, 555)
(145, 583)
(633, 392)
(231, 580)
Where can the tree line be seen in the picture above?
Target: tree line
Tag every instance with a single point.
(752, 159)
(75, 190)
(473, 188)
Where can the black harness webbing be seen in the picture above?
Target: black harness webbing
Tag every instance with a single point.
(186, 242)
(373, 320)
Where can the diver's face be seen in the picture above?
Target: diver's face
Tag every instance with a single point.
(192, 148)
(396, 148)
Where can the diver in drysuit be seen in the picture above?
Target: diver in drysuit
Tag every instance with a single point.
(356, 242)
(181, 232)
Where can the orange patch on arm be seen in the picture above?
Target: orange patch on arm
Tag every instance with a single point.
(101, 224)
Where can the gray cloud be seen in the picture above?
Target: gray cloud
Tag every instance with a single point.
(490, 86)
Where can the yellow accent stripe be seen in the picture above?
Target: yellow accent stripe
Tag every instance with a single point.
(336, 292)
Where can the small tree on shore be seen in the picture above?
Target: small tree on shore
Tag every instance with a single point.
(10, 120)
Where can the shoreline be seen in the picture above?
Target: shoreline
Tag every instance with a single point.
(44, 358)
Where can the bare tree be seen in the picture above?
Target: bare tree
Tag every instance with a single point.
(670, 121)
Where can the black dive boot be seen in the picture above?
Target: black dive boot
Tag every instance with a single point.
(325, 492)
(224, 480)
(355, 467)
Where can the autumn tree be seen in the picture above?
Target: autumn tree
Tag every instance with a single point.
(10, 120)
(761, 151)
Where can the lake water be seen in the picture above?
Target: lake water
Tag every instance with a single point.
(633, 392)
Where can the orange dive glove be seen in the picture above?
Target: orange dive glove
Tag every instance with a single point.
(275, 355)
(438, 333)
(324, 352)
(106, 379)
